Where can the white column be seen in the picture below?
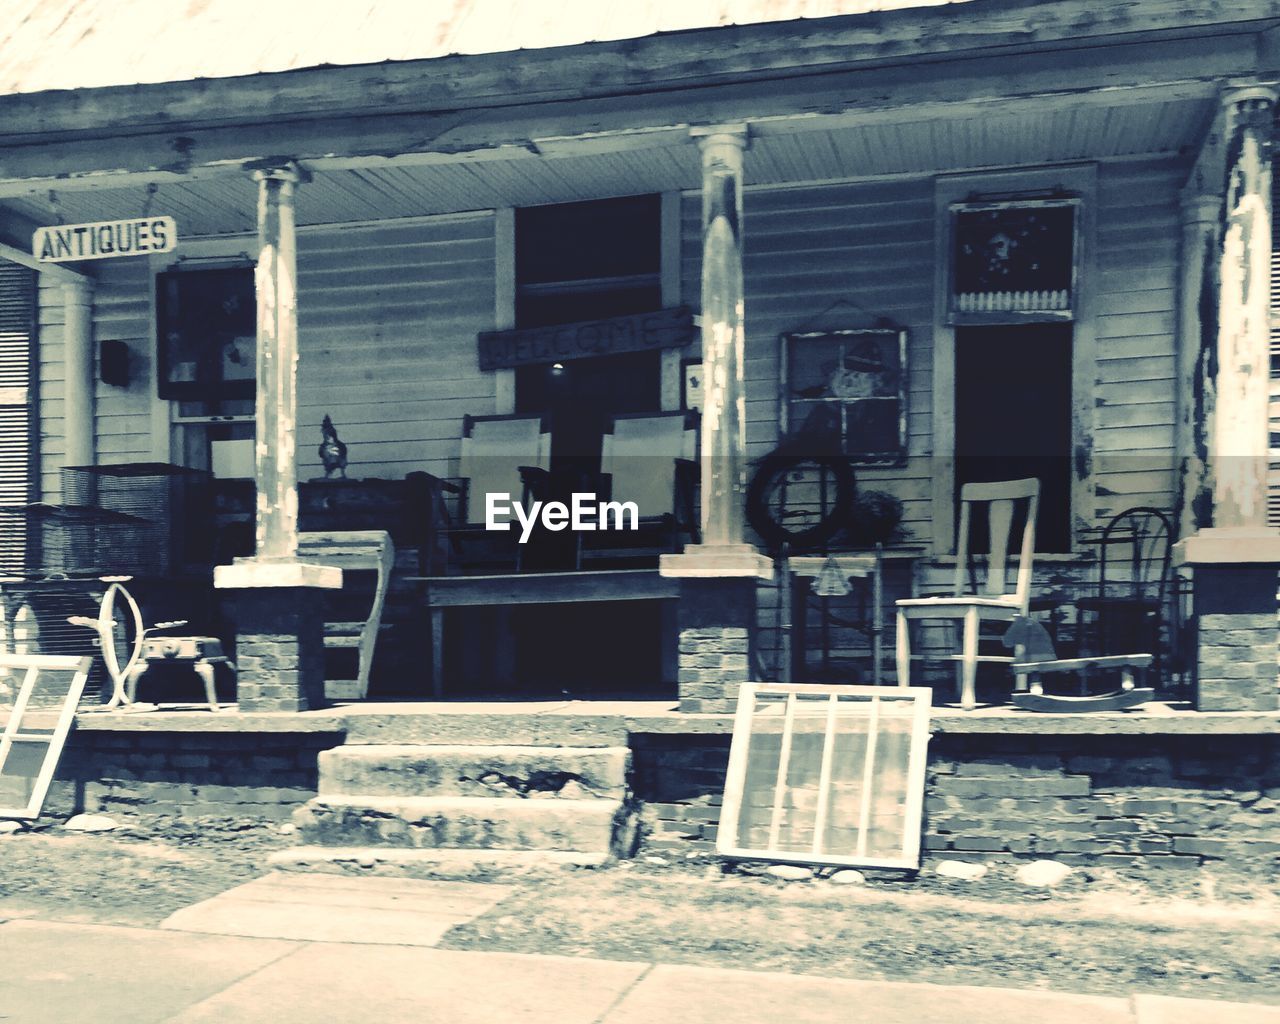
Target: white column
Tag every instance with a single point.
(723, 337)
(276, 412)
(1240, 431)
(78, 422)
(723, 551)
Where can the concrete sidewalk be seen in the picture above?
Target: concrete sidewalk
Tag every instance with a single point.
(98, 974)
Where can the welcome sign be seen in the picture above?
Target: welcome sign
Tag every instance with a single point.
(141, 236)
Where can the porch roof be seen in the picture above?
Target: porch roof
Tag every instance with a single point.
(77, 44)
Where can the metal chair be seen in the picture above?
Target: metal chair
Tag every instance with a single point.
(1128, 611)
(969, 603)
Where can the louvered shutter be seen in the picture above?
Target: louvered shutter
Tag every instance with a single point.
(17, 421)
(1273, 476)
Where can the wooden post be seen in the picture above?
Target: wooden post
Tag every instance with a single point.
(1233, 554)
(79, 387)
(1237, 379)
(724, 404)
(276, 411)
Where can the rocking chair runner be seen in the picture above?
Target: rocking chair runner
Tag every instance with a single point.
(969, 605)
(1035, 656)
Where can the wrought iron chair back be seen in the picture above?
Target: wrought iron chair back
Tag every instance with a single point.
(1129, 607)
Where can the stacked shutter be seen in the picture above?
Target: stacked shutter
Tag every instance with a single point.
(17, 422)
(1273, 477)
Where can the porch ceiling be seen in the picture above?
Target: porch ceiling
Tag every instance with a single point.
(566, 170)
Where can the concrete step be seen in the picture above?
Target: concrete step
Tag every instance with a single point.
(518, 726)
(585, 826)
(510, 772)
(445, 863)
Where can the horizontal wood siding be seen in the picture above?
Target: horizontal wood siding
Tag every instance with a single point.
(1136, 301)
(868, 244)
(122, 416)
(387, 323)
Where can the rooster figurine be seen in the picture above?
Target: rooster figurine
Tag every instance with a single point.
(333, 453)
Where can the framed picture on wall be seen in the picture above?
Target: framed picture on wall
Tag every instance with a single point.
(692, 384)
(847, 391)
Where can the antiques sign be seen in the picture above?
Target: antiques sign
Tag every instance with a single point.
(141, 236)
(639, 332)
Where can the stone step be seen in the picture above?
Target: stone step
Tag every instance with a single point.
(585, 826)
(510, 772)
(443, 863)
(514, 727)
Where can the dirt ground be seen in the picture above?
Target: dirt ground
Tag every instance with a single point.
(1178, 932)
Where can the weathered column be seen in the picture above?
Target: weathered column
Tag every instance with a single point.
(1200, 218)
(723, 337)
(79, 387)
(276, 409)
(718, 593)
(277, 600)
(1234, 554)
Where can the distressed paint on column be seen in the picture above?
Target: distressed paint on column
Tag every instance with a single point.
(1237, 370)
(277, 403)
(1200, 216)
(723, 339)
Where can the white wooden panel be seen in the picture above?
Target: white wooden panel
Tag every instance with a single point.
(387, 324)
(1137, 389)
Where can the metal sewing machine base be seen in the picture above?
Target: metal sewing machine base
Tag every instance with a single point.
(203, 652)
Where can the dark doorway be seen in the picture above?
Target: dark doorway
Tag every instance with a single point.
(1013, 416)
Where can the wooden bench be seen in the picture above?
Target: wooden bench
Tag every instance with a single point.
(367, 550)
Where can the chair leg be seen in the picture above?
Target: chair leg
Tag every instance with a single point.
(903, 650)
(969, 664)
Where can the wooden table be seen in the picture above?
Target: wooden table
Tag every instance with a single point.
(802, 571)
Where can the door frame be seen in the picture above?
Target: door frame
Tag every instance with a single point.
(1030, 183)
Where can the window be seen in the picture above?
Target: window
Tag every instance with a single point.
(206, 321)
(578, 262)
(1012, 299)
(846, 391)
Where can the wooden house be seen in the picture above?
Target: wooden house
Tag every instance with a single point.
(992, 239)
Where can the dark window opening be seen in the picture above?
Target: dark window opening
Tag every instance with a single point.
(587, 261)
(1013, 417)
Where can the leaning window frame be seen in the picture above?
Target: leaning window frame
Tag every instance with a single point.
(920, 699)
(55, 741)
(960, 318)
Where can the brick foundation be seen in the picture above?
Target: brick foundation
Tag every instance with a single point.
(1236, 637)
(715, 654)
(1120, 801)
(187, 773)
(279, 649)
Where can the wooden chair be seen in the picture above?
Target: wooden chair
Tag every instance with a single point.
(508, 455)
(649, 459)
(1128, 610)
(1036, 656)
(360, 550)
(969, 604)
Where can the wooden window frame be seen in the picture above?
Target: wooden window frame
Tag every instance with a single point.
(1077, 182)
(919, 699)
(34, 664)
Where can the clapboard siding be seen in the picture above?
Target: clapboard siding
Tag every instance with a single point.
(805, 249)
(122, 425)
(387, 324)
(1135, 293)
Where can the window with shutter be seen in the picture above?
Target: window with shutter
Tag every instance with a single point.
(1273, 478)
(17, 405)
(17, 346)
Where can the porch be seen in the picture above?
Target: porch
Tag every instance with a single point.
(415, 282)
